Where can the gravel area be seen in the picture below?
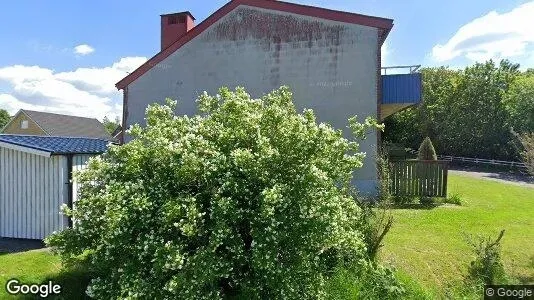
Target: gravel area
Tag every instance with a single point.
(505, 177)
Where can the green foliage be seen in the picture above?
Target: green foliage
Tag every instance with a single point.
(249, 198)
(454, 199)
(527, 153)
(427, 201)
(468, 112)
(426, 150)
(375, 223)
(366, 281)
(403, 200)
(4, 118)
(487, 267)
(384, 174)
(111, 126)
(519, 103)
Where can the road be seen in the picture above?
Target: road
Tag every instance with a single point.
(505, 177)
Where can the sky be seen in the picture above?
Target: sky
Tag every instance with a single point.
(66, 56)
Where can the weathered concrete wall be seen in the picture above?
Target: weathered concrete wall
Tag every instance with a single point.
(330, 66)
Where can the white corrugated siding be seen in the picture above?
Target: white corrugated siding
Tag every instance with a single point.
(79, 162)
(32, 190)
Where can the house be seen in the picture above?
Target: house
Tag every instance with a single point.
(330, 59)
(27, 122)
(35, 181)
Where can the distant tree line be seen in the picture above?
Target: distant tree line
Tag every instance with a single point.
(469, 112)
(110, 125)
(4, 118)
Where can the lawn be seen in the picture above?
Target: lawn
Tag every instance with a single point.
(39, 266)
(429, 245)
(426, 245)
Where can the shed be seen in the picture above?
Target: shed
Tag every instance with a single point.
(36, 180)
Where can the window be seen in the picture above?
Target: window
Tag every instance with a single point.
(24, 124)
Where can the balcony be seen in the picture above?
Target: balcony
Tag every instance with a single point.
(401, 89)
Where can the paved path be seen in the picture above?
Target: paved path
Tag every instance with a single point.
(17, 245)
(505, 177)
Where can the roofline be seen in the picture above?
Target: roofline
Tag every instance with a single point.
(38, 125)
(76, 153)
(179, 13)
(383, 24)
(51, 113)
(25, 148)
(16, 115)
(44, 151)
(56, 136)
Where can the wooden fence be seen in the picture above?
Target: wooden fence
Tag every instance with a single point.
(419, 178)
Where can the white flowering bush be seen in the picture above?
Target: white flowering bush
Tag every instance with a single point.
(247, 198)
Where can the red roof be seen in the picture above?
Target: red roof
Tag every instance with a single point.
(381, 23)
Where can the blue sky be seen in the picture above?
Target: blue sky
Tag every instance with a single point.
(65, 56)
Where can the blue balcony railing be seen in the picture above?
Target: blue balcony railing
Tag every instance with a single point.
(402, 88)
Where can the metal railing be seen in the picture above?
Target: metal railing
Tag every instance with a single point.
(495, 162)
(412, 69)
(483, 161)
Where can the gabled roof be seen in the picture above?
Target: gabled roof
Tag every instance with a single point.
(52, 145)
(65, 125)
(383, 24)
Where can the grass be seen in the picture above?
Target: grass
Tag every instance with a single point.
(38, 266)
(430, 244)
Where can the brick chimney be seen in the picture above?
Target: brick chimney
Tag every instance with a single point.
(174, 26)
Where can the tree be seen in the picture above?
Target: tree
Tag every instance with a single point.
(426, 150)
(111, 126)
(527, 154)
(4, 118)
(463, 112)
(519, 102)
(248, 198)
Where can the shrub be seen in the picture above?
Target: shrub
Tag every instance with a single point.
(403, 200)
(249, 198)
(426, 150)
(487, 267)
(384, 174)
(367, 281)
(454, 199)
(425, 200)
(375, 223)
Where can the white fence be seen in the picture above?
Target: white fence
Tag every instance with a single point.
(494, 162)
(483, 161)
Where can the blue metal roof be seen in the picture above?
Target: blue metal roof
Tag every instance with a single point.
(57, 145)
(402, 88)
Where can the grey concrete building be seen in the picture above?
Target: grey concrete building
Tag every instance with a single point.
(330, 59)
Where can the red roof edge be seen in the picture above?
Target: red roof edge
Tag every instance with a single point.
(312, 11)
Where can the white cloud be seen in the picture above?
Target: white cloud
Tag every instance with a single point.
(101, 80)
(12, 104)
(386, 52)
(86, 92)
(84, 49)
(494, 36)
